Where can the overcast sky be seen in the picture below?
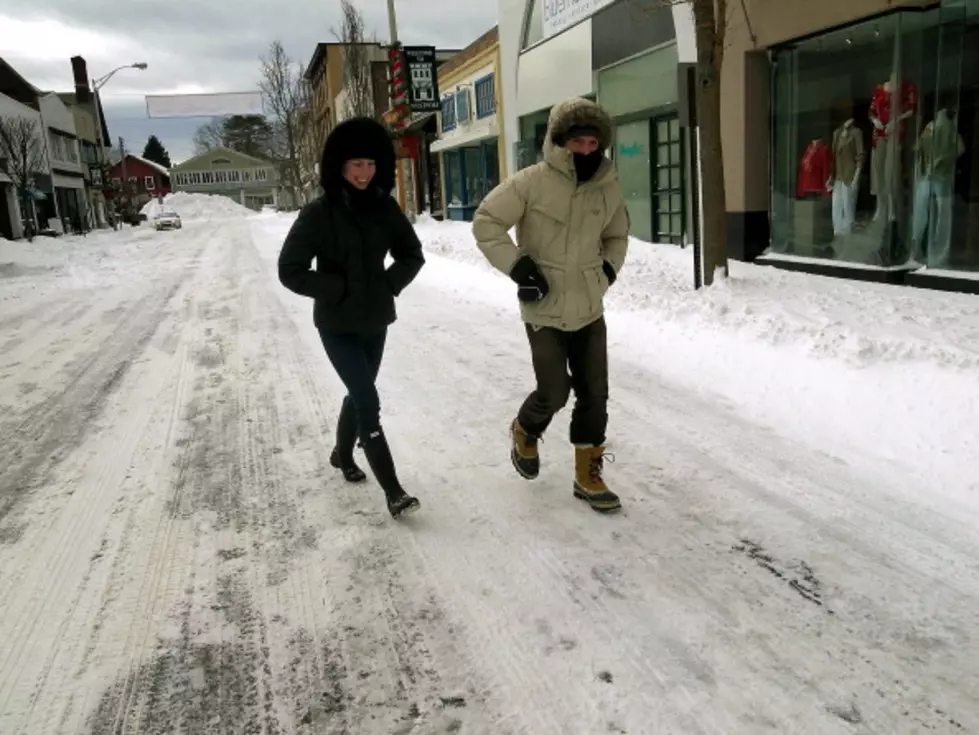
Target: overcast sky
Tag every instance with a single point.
(197, 46)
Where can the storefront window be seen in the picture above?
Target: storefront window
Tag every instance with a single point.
(454, 195)
(633, 161)
(945, 206)
(533, 130)
(848, 109)
(471, 173)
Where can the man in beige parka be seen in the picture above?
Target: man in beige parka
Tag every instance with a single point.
(572, 235)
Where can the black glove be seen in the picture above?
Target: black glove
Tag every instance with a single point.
(609, 272)
(531, 284)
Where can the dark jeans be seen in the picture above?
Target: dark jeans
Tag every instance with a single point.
(585, 353)
(357, 360)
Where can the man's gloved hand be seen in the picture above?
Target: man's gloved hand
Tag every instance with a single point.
(609, 272)
(531, 284)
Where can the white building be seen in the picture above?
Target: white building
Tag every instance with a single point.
(625, 55)
(64, 157)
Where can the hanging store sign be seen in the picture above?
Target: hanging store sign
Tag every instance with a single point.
(423, 85)
(562, 14)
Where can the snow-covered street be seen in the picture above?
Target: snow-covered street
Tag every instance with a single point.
(798, 550)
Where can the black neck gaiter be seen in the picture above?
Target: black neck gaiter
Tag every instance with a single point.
(586, 165)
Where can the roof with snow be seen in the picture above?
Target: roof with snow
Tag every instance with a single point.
(152, 164)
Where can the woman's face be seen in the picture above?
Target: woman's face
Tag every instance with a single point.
(359, 172)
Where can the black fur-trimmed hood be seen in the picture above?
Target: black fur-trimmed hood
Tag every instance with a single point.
(359, 137)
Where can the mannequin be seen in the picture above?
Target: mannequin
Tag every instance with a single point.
(814, 169)
(885, 144)
(939, 147)
(848, 160)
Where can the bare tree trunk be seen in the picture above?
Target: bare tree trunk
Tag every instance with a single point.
(22, 157)
(710, 24)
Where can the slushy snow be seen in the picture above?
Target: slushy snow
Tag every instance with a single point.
(798, 550)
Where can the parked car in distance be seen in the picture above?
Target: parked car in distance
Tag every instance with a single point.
(167, 219)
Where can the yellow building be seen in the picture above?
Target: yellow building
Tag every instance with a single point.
(471, 148)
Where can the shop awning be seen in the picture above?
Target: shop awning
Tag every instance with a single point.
(468, 137)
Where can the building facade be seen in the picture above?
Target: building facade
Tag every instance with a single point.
(134, 181)
(250, 181)
(625, 55)
(471, 146)
(848, 129)
(64, 158)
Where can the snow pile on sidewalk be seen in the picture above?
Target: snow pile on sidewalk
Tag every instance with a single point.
(20, 257)
(197, 206)
(861, 323)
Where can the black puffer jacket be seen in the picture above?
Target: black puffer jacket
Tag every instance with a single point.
(350, 233)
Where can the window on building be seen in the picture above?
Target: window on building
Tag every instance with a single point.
(221, 162)
(116, 182)
(221, 177)
(448, 114)
(234, 177)
(261, 174)
(485, 96)
(534, 28)
(246, 176)
(463, 111)
(149, 182)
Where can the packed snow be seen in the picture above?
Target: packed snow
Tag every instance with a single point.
(798, 552)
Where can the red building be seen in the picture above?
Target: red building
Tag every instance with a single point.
(137, 178)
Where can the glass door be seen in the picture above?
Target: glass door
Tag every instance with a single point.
(632, 158)
(668, 177)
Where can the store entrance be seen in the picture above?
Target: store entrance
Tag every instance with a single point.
(667, 175)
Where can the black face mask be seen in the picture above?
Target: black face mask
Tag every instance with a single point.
(586, 164)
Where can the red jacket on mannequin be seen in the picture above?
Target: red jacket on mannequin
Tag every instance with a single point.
(815, 169)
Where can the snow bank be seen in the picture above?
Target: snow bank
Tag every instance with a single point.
(197, 206)
(860, 323)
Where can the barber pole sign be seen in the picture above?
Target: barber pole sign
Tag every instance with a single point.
(399, 87)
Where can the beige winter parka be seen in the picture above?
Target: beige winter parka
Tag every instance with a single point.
(567, 228)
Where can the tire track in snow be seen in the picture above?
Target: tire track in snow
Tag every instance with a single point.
(35, 441)
(58, 566)
(400, 670)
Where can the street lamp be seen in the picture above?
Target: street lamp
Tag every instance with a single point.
(97, 84)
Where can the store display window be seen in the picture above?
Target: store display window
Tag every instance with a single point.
(945, 200)
(848, 110)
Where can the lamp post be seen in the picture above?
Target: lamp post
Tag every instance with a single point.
(97, 84)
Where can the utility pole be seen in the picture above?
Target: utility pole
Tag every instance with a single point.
(125, 178)
(392, 23)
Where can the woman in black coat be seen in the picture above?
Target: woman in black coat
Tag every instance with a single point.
(349, 231)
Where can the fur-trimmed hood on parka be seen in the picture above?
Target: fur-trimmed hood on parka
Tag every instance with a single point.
(359, 137)
(578, 112)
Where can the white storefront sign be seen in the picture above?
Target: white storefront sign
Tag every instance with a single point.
(561, 14)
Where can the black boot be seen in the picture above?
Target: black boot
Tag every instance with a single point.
(378, 455)
(342, 456)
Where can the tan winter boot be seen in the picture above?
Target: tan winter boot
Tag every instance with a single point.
(588, 482)
(523, 451)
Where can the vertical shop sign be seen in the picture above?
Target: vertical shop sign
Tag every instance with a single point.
(423, 83)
